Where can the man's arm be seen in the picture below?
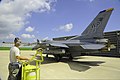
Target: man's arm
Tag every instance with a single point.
(22, 58)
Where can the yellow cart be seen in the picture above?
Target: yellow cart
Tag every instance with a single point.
(32, 72)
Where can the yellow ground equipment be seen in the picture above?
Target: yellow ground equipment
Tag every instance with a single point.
(32, 72)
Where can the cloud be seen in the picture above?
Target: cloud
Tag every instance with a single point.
(86, 0)
(29, 29)
(66, 27)
(11, 36)
(91, 0)
(14, 13)
(27, 36)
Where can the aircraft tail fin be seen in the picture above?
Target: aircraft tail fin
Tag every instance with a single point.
(96, 27)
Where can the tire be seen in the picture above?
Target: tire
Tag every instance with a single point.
(46, 55)
(57, 57)
(11, 77)
(70, 57)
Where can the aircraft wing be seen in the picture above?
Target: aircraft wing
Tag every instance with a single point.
(63, 38)
(23, 43)
(93, 46)
(7, 42)
(59, 45)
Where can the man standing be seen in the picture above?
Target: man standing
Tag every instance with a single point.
(15, 56)
(15, 52)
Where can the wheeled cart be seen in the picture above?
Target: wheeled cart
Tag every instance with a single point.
(32, 72)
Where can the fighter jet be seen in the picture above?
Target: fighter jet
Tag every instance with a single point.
(90, 40)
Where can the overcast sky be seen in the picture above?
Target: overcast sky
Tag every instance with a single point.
(46, 19)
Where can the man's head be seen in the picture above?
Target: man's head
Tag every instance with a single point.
(17, 42)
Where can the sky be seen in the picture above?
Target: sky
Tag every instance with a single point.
(47, 19)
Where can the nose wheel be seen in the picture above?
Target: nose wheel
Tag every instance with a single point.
(58, 57)
(46, 55)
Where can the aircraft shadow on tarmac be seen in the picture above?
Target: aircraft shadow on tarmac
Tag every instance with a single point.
(73, 64)
(83, 65)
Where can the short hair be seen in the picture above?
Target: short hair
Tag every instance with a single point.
(16, 39)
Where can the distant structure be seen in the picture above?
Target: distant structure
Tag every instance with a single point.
(114, 38)
(6, 45)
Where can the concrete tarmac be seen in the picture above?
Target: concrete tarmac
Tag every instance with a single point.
(80, 68)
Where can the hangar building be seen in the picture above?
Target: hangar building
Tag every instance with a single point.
(114, 38)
